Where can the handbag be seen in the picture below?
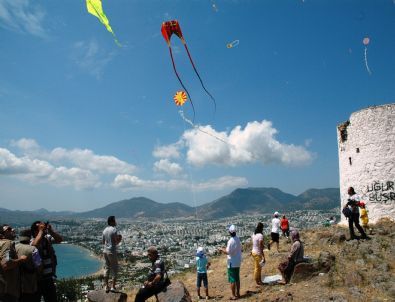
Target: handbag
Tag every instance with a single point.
(346, 212)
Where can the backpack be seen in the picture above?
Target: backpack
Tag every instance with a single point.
(346, 212)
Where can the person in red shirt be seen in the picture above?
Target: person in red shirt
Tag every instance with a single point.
(285, 226)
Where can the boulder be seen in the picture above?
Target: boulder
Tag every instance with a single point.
(102, 296)
(305, 271)
(176, 292)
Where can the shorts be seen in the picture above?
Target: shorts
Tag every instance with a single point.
(234, 274)
(275, 237)
(201, 277)
(110, 265)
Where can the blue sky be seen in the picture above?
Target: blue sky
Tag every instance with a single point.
(84, 122)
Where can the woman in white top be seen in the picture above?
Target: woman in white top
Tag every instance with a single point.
(257, 252)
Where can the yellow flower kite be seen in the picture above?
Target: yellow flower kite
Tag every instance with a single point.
(180, 98)
(95, 8)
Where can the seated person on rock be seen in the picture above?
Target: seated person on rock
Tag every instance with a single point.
(155, 281)
(295, 256)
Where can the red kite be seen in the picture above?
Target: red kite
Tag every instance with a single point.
(168, 29)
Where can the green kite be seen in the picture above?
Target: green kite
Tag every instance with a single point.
(95, 8)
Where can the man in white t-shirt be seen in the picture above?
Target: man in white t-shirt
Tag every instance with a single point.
(233, 250)
(110, 240)
(275, 234)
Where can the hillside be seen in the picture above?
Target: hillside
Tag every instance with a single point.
(247, 201)
(240, 201)
(140, 207)
(362, 270)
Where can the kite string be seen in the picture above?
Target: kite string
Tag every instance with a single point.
(197, 127)
(179, 79)
(189, 168)
(200, 79)
(366, 61)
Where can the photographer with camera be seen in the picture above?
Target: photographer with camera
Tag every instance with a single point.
(353, 203)
(43, 238)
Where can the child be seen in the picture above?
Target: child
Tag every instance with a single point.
(364, 216)
(202, 264)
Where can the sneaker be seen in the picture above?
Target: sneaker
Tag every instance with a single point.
(113, 290)
(107, 290)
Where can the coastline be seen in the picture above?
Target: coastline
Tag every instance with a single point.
(91, 254)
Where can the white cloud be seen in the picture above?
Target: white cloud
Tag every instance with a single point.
(82, 158)
(27, 145)
(169, 151)
(22, 16)
(129, 182)
(90, 57)
(39, 171)
(256, 143)
(86, 159)
(168, 167)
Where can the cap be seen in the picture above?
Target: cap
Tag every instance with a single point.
(200, 252)
(276, 213)
(232, 229)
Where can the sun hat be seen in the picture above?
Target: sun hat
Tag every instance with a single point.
(232, 229)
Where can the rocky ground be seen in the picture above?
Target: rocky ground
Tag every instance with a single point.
(361, 270)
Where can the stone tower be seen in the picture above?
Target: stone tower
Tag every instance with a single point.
(366, 145)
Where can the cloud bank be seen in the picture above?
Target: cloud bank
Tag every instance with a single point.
(255, 143)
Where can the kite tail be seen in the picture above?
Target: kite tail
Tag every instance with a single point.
(366, 61)
(178, 77)
(197, 73)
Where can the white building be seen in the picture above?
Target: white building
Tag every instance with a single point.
(366, 145)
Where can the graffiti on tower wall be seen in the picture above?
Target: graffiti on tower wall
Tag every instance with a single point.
(381, 192)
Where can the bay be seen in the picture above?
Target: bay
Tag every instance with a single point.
(75, 261)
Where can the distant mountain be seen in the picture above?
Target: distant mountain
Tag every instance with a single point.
(240, 201)
(247, 201)
(140, 207)
(17, 218)
(320, 199)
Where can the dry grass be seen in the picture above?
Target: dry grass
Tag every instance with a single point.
(364, 271)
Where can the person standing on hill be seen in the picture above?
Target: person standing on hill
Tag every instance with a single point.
(9, 265)
(353, 202)
(275, 234)
(285, 226)
(110, 240)
(30, 269)
(233, 250)
(364, 217)
(43, 237)
(257, 253)
(202, 265)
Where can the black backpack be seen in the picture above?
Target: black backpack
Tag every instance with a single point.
(346, 212)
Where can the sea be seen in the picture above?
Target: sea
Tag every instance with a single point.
(75, 261)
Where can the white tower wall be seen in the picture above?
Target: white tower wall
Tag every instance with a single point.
(367, 159)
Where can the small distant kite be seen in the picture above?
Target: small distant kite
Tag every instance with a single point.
(215, 8)
(180, 98)
(233, 44)
(95, 8)
(168, 29)
(366, 42)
